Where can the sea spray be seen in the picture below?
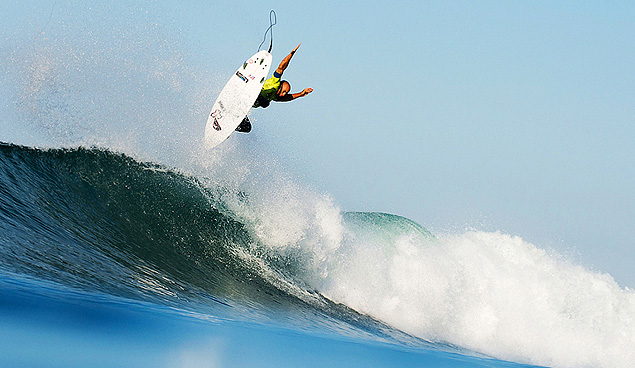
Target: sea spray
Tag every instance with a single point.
(490, 292)
(110, 81)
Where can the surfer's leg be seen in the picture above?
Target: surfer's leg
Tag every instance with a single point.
(245, 126)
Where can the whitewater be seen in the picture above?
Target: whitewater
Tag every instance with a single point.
(108, 201)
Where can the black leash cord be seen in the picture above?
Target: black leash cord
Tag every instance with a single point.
(272, 22)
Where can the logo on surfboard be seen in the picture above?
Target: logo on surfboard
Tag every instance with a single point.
(216, 126)
(241, 76)
(216, 115)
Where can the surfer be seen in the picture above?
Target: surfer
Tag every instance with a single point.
(274, 89)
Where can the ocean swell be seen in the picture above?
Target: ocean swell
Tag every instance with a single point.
(101, 221)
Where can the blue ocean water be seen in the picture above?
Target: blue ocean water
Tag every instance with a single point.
(46, 325)
(106, 261)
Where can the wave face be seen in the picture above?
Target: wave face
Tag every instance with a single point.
(103, 222)
(100, 221)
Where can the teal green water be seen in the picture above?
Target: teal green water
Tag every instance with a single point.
(106, 261)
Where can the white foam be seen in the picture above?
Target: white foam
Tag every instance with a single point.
(492, 293)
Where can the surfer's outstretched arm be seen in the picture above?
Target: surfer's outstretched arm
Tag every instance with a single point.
(293, 96)
(285, 62)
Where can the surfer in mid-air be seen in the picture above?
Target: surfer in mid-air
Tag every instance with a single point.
(275, 89)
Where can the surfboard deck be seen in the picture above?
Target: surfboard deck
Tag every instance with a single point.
(236, 98)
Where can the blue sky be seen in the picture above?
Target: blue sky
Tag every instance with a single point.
(510, 116)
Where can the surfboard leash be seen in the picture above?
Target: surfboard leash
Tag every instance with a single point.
(272, 22)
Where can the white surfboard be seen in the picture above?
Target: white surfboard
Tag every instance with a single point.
(236, 98)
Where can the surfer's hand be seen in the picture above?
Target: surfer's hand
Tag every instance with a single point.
(296, 48)
(307, 91)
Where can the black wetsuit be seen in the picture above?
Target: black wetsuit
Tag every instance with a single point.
(245, 125)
